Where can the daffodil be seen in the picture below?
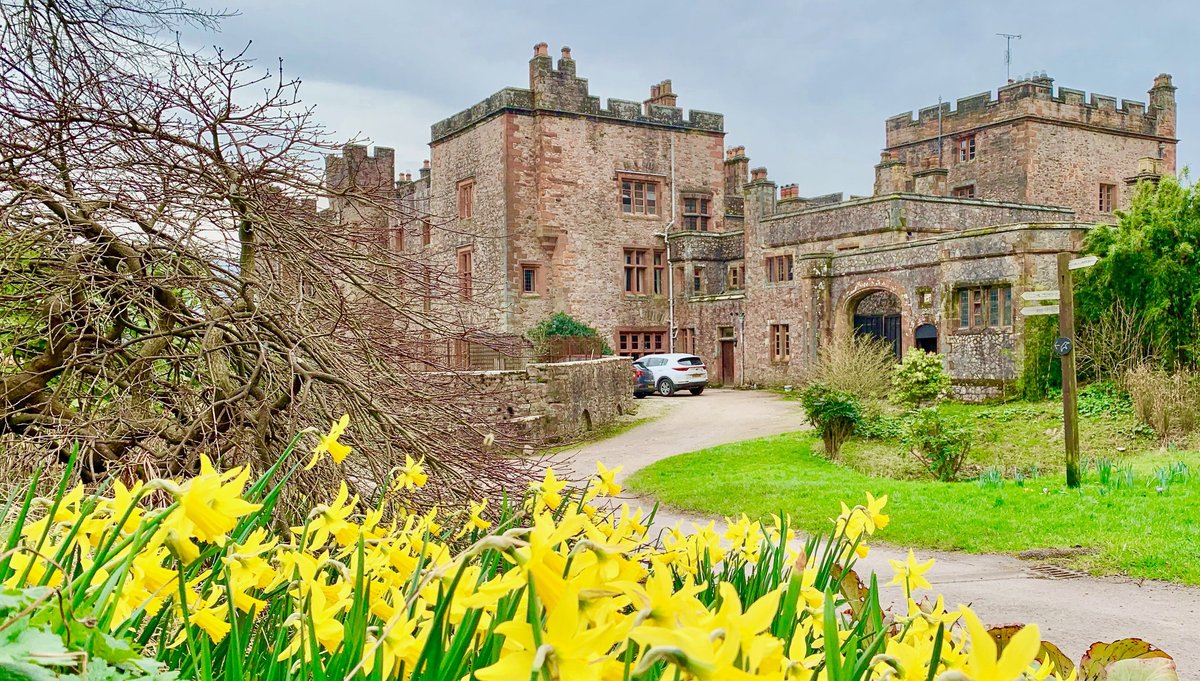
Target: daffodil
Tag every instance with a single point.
(211, 503)
(331, 520)
(548, 491)
(981, 662)
(475, 520)
(910, 573)
(606, 484)
(396, 644)
(412, 475)
(329, 443)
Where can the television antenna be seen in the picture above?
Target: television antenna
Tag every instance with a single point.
(1008, 38)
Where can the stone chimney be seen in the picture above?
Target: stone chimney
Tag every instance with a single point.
(541, 50)
(565, 63)
(425, 169)
(736, 169)
(662, 95)
(760, 194)
(891, 175)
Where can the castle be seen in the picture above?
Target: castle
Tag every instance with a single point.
(636, 219)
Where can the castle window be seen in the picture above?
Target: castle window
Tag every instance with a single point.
(635, 270)
(696, 213)
(639, 197)
(964, 192)
(966, 148)
(984, 307)
(466, 199)
(660, 271)
(687, 341)
(779, 268)
(635, 342)
(733, 280)
(529, 279)
(465, 272)
(460, 353)
(781, 343)
(697, 280)
(1108, 198)
(426, 232)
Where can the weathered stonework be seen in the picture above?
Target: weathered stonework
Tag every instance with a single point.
(547, 163)
(552, 402)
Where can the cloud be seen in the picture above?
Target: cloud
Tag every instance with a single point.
(375, 116)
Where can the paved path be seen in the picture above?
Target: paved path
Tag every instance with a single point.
(1071, 612)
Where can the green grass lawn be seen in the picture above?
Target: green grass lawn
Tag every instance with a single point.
(1022, 436)
(1135, 531)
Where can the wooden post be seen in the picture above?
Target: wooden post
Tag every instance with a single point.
(1066, 329)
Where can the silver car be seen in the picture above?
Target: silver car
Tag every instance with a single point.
(676, 371)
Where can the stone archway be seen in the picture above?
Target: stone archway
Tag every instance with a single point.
(877, 312)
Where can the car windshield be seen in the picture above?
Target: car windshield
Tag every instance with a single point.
(691, 361)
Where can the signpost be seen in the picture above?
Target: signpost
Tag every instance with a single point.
(1064, 347)
(1080, 263)
(1039, 309)
(1040, 295)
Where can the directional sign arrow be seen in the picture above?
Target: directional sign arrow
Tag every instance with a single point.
(1039, 295)
(1080, 263)
(1039, 309)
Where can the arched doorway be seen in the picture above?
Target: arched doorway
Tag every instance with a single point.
(877, 313)
(925, 337)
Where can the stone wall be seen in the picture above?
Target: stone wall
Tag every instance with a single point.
(562, 163)
(1031, 145)
(552, 402)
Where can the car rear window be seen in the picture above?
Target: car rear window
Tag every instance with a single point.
(691, 361)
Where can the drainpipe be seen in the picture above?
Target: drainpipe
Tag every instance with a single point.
(670, 270)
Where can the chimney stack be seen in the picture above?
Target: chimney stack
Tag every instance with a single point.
(541, 50)
(662, 95)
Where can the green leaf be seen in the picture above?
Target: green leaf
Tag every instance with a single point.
(1062, 664)
(1147, 669)
(1096, 661)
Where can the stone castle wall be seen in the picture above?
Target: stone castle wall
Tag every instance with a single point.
(552, 402)
(1032, 145)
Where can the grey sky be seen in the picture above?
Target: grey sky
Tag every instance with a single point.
(805, 86)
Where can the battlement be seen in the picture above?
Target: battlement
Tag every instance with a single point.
(557, 89)
(358, 168)
(1036, 97)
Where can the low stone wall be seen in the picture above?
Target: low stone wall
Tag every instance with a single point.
(556, 401)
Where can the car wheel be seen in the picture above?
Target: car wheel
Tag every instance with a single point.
(665, 387)
(696, 391)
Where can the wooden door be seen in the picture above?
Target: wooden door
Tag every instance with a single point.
(727, 367)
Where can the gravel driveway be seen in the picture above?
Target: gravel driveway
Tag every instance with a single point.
(1071, 612)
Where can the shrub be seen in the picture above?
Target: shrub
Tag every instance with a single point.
(1112, 343)
(560, 334)
(1148, 265)
(880, 426)
(856, 363)
(1104, 398)
(938, 442)
(1041, 369)
(920, 379)
(834, 413)
(1167, 402)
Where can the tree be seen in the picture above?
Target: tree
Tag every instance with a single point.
(1149, 270)
(169, 285)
